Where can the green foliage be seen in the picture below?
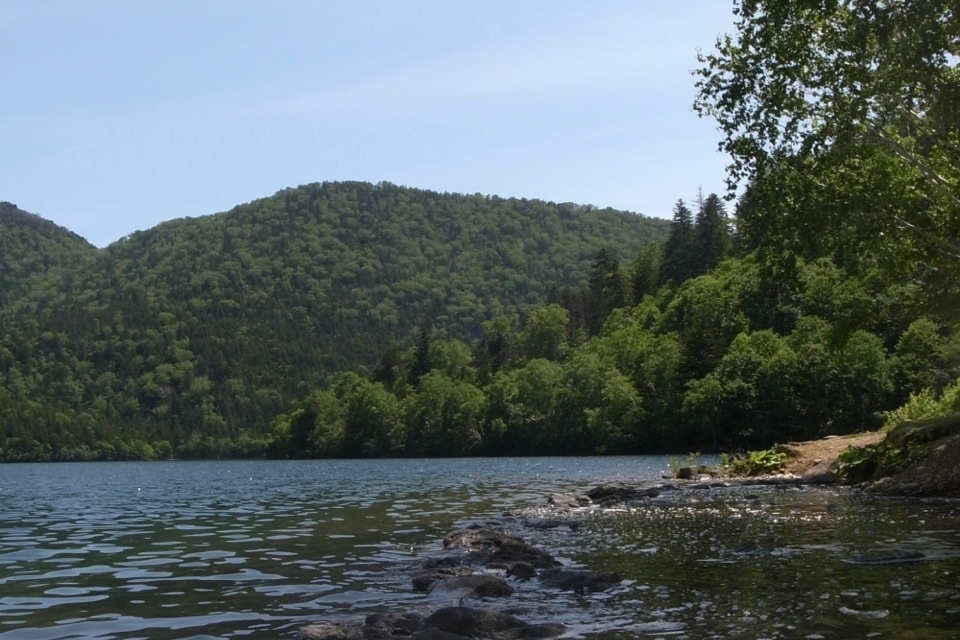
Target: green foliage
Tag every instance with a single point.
(924, 405)
(872, 462)
(692, 461)
(919, 406)
(755, 463)
(841, 119)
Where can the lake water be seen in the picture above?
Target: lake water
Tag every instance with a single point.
(257, 549)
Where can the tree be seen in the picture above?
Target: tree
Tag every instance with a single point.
(607, 289)
(712, 233)
(840, 116)
(645, 271)
(544, 333)
(679, 250)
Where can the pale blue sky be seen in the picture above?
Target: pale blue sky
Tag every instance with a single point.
(116, 115)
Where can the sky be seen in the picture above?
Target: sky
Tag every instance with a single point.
(116, 115)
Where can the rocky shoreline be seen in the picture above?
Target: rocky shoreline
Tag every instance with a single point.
(485, 563)
(480, 563)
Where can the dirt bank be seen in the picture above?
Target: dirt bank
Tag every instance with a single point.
(806, 457)
(936, 475)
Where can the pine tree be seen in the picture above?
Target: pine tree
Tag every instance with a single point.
(607, 289)
(712, 233)
(679, 250)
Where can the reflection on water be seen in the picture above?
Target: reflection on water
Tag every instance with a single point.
(258, 549)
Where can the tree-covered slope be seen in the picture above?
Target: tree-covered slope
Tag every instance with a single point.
(34, 255)
(210, 326)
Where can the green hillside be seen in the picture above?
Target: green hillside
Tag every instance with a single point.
(35, 254)
(211, 326)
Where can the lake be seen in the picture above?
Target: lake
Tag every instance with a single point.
(257, 549)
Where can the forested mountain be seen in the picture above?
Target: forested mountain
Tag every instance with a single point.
(34, 255)
(206, 328)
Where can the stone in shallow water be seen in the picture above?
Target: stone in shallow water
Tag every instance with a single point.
(329, 632)
(891, 556)
(425, 580)
(579, 581)
(871, 615)
(473, 623)
(478, 584)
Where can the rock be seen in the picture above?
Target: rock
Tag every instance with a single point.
(820, 473)
(475, 539)
(482, 585)
(514, 550)
(521, 570)
(388, 626)
(606, 495)
(425, 580)
(545, 630)
(473, 623)
(748, 548)
(568, 501)
(891, 556)
(329, 632)
(579, 581)
(551, 524)
(432, 633)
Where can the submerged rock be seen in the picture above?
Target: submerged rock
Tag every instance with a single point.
(482, 585)
(521, 570)
(449, 623)
(388, 626)
(891, 556)
(568, 501)
(579, 581)
(478, 623)
(606, 495)
(425, 580)
(473, 539)
(514, 550)
(329, 632)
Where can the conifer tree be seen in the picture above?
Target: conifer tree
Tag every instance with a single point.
(678, 251)
(712, 233)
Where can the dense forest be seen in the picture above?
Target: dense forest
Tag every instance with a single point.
(187, 339)
(657, 360)
(364, 321)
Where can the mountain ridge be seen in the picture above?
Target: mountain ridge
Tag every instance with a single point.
(213, 324)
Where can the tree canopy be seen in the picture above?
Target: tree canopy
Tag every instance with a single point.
(840, 118)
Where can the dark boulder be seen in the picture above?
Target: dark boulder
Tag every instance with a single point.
(481, 585)
(432, 633)
(514, 550)
(424, 580)
(389, 626)
(521, 570)
(473, 623)
(544, 630)
(606, 495)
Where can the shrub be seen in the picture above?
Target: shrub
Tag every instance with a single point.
(755, 463)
